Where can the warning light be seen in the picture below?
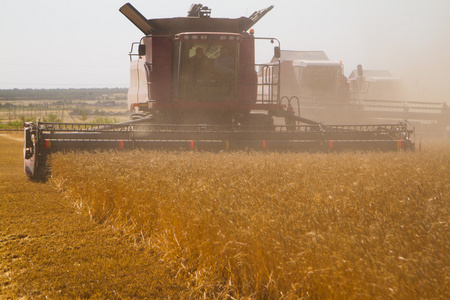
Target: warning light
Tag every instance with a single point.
(252, 31)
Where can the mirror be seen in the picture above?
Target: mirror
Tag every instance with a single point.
(360, 70)
(141, 50)
(277, 52)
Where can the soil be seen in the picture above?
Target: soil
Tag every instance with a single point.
(47, 249)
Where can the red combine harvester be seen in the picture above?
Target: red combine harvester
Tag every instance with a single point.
(194, 85)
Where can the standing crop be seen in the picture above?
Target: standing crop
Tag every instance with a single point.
(270, 225)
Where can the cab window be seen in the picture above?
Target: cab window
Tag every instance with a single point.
(208, 71)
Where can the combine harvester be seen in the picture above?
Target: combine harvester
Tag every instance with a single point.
(194, 85)
(318, 88)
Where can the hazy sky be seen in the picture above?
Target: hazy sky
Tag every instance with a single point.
(76, 44)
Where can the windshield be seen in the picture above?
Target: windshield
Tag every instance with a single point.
(321, 78)
(208, 71)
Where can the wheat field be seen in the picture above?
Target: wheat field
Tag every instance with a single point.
(254, 225)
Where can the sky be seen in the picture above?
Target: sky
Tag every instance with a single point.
(85, 43)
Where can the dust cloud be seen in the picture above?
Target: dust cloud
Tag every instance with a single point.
(414, 45)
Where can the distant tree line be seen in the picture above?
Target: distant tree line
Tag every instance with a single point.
(64, 94)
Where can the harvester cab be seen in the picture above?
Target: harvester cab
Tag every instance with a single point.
(323, 79)
(197, 69)
(194, 85)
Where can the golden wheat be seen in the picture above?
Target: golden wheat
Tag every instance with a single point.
(270, 225)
